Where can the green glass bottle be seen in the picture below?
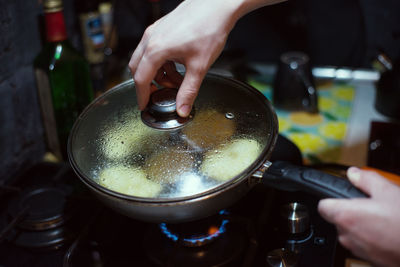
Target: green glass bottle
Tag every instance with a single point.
(63, 79)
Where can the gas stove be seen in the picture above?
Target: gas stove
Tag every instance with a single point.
(48, 218)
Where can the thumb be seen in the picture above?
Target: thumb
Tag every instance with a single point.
(369, 182)
(188, 91)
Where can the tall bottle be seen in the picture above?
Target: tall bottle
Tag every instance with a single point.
(63, 80)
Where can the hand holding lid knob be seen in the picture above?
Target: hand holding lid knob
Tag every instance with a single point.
(161, 113)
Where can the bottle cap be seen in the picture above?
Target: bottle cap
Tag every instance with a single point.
(52, 5)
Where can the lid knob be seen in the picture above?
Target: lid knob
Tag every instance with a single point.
(163, 102)
(161, 113)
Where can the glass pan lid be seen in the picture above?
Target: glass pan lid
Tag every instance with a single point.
(228, 137)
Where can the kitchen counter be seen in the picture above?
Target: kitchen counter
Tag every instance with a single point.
(354, 147)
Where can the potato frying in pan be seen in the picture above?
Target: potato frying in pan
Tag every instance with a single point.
(230, 159)
(129, 181)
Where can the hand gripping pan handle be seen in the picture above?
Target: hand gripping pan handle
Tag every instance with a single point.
(288, 177)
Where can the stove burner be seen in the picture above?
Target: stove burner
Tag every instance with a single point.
(197, 239)
(38, 240)
(45, 208)
(39, 215)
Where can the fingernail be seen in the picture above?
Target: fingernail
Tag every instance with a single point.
(354, 174)
(184, 110)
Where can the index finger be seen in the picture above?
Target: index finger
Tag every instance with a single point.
(139, 51)
(145, 73)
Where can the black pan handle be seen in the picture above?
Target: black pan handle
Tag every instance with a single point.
(288, 177)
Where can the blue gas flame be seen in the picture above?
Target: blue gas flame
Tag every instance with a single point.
(194, 240)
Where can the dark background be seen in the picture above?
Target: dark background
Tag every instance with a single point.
(333, 32)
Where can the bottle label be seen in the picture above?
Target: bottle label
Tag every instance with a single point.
(46, 106)
(93, 37)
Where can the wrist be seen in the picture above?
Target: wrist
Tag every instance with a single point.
(236, 9)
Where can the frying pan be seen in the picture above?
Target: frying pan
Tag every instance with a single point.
(228, 99)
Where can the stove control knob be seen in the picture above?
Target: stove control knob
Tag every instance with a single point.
(281, 258)
(297, 217)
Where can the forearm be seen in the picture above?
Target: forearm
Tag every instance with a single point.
(246, 6)
(230, 11)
